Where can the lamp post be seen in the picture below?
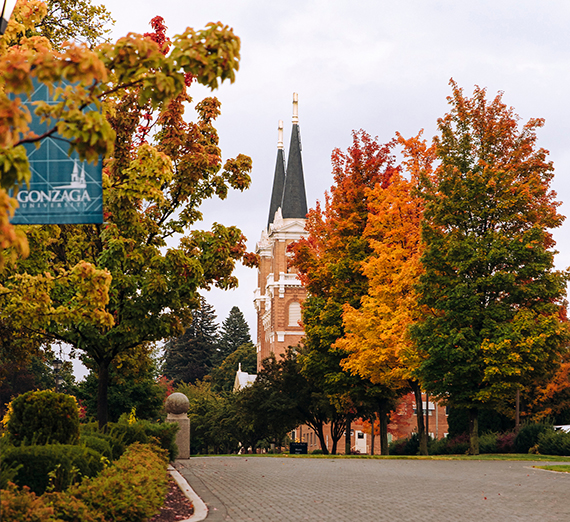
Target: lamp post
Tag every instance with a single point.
(57, 364)
(7, 8)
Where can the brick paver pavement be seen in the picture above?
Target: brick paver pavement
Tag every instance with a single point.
(281, 489)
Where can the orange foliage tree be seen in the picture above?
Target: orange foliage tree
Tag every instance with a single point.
(376, 335)
(329, 264)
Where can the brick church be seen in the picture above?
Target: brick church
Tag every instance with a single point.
(279, 292)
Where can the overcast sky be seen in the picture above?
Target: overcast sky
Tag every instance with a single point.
(374, 65)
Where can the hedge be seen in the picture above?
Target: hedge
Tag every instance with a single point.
(54, 466)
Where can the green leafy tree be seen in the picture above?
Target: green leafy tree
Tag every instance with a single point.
(488, 258)
(189, 357)
(75, 20)
(233, 333)
(223, 377)
(108, 289)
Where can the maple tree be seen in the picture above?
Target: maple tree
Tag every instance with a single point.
(107, 289)
(329, 265)
(488, 277)
(376, 337)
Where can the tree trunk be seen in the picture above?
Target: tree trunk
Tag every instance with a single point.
(420, 417)
(383, 419)
(347, 429)
(474, 431)
(372, 435)
(336, 434)
(319, 430)
(103, 394)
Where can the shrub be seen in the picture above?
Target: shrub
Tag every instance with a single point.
(99, 444)
(458, 445)
(91, 429)
(51, 466)
(506, 442)
(488, 443)
(71, 509)
(317, 452)
(131, 490)
(527, 437)
(42, 417)
(438, 446)
(25, 506)
(144, 432)
(397, 447)
(554, 443)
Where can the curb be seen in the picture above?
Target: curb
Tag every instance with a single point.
(200, 509)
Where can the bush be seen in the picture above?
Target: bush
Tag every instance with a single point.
(144, 432)
(91, 429)
(99, 444)
(527, 437)
(51, 466)
(450, 446)
(488, 443)
(554, 443)
(397, 447)
(43, 417)
(506, 442)
(317, 452)
(132, 490)
(71, 509)
(25, 506)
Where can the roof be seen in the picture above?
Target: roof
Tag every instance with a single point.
(243, 379)
(294, 202)
(278, 184)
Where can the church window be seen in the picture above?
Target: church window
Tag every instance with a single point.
(294, 314)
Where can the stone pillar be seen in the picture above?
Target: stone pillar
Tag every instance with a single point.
(177, 406)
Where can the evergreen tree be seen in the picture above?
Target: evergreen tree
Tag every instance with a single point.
(190, 356)
(234, 333)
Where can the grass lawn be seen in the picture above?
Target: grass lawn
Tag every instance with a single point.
(564, 468)
(490, 456)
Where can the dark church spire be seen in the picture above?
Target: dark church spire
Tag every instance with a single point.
(294, 202)
(278, 178)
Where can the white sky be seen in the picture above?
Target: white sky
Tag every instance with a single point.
(372, 64)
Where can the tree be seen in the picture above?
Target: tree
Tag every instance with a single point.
(224, 376)
(376, 338)
(233, 334)
(189, 357)
(488, 258)
(329, 262)
(310, 403)
(108, 289)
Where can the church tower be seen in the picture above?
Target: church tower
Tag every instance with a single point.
(279, 292)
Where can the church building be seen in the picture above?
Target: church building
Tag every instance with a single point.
(279, 292)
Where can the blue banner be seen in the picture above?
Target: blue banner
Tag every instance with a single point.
(63, 189)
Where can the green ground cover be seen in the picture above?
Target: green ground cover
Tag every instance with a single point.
(494, 456)
(564, 468)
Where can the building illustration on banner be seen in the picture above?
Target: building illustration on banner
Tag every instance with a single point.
(77, 178)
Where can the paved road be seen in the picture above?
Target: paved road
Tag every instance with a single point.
(293, 489)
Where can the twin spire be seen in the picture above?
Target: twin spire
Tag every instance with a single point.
(289, 185)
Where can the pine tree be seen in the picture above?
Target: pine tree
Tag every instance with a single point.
(190, 357)
(233, 334)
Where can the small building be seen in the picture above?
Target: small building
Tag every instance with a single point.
(243, 379)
